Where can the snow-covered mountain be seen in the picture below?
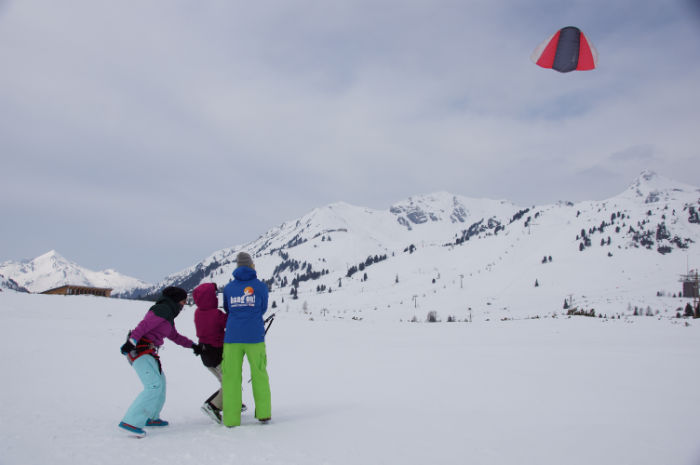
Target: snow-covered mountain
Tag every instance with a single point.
(453, 254)
(51, 270)
(340, 235)
(11, 284)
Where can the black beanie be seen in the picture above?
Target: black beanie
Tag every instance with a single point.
(175, 293)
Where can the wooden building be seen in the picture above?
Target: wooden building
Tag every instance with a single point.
(80, 290)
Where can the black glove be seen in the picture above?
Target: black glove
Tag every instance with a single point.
(127, 347)
(197, 348)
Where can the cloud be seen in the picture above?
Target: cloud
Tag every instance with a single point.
(212, 124)
(634, 153)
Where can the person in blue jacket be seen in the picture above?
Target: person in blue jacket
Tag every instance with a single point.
(245, 301)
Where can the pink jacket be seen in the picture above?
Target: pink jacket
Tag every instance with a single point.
(209, 321)
(155, 329)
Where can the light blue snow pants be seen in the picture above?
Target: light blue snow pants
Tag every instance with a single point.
(150, 402)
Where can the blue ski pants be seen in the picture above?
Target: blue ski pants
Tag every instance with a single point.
(149, 403)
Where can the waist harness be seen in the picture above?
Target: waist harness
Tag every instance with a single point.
(144, 347)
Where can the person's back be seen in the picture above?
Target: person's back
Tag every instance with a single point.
(245, 301)
(210, 323)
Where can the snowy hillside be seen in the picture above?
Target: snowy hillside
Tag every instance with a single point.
(458, 256)
(340, 234)
(10, 284)
(551, 391)
(51, 270)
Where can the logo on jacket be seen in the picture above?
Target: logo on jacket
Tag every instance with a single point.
(245, 300)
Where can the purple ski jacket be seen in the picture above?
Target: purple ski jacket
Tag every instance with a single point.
(156, 329)
(208, 319)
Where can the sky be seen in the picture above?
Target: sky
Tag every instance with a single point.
(144, 136)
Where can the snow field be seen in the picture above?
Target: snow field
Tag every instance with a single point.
(546, 391)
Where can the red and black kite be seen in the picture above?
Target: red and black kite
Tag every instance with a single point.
(567, 50)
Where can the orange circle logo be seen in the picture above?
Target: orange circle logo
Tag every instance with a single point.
(248, 291)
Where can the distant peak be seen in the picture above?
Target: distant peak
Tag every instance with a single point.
(647, 175)
(653, 187)
(339, 204)
(431, 198)
(48, 255)
(651, 180)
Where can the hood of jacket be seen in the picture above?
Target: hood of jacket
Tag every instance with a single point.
(167, 309)
(204, 296)
(244, 273)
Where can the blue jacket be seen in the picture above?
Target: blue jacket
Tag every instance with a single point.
(245, 301)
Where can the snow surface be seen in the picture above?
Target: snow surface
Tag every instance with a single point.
(526, 391)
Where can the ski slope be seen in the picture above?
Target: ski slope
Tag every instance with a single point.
(346, 392)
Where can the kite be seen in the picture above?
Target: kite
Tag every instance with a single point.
(567, 50)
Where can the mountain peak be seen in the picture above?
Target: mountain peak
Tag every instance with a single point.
(647, 176)
(51, 270)
(653, 187)
(429, 208)
(50, 260)
(50, 255)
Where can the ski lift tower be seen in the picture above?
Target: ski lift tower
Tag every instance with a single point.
(691, 285)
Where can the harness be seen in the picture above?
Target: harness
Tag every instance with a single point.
(144, 347)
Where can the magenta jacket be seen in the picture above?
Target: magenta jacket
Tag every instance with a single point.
(209, 321)
(155, 329)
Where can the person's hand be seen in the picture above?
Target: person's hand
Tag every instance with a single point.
(197, 349)
(127, 347)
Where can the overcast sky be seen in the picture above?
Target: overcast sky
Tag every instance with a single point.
(144, 135)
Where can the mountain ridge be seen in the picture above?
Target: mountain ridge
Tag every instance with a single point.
(51, 270)
(646, 234)
(443, 220)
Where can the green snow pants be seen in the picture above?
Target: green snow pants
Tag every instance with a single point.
(232, 380)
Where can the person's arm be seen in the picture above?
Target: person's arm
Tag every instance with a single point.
(179, 339)
(222, 318)
(264, 299)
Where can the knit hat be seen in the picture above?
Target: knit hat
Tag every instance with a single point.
(244, 259)
(177, 294)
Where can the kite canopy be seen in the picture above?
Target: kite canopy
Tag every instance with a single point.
(566, 50)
